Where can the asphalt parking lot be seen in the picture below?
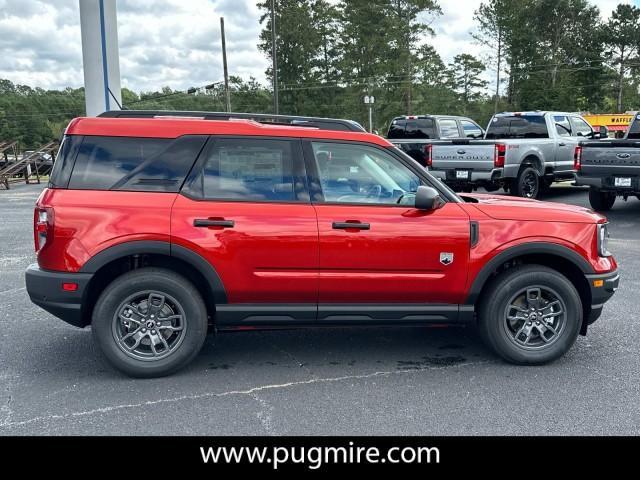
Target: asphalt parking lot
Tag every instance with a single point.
(391, 381)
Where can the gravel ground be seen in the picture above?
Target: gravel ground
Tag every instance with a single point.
(389, 381)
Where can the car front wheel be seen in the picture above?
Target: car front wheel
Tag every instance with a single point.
(530, 314)
(150, 322)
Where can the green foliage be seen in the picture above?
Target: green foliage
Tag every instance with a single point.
(543, 54)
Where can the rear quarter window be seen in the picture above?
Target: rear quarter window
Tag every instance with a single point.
(517, 126)
(134, 164)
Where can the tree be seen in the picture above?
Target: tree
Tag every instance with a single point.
(466, 72)
(622, 34)
(492, 22)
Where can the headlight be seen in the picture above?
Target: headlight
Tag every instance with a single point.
(603, 240)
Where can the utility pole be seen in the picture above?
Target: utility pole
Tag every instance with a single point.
(227, 94)
(274, 56)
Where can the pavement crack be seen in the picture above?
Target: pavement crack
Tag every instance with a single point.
(265, 414)
(249, 391)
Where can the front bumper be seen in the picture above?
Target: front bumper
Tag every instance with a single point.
(45, 290)
(601, 294)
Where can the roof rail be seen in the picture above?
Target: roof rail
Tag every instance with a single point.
(265, 118)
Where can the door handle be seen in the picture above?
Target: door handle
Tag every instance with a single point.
(210, 222)
(351, 225)
(562, 144)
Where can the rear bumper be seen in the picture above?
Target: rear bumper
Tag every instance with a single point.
(600, 295)
(476, 176)
(606, 183)
(45, 290)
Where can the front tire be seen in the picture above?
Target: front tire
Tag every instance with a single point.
(601, 201)
(531, 315)
(149, 322)
(526, 184)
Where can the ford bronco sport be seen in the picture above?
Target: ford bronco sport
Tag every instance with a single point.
(156, 230)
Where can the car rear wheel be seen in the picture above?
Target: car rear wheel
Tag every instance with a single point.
(531, 315)
(150, 322)
(527, 183)
(601, 201)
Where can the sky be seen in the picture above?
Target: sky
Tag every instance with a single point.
(173, 43)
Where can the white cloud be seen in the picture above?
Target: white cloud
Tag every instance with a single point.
(171, 42)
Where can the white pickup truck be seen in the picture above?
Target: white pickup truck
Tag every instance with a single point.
(521, 152)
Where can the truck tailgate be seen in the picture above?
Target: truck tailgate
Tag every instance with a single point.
(620, 157)
(463, 154)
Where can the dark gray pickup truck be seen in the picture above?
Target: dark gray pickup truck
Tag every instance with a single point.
(611, 168)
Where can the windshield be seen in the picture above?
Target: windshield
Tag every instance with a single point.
(517, 126)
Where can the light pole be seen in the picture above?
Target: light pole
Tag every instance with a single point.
(369, 100)
(274, 56)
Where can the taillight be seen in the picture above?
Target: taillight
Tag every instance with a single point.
(499, 154)
(42, 226)
(427, 155)
(577, 158)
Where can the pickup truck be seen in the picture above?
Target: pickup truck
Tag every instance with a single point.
(611, 168)
(414, 133)
(521, 152)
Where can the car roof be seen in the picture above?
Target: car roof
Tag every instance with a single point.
(414, 117)
(174, 127)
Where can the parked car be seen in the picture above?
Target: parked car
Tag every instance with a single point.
(611, 168)
(521, 152)
(414, 134)
(157, 230)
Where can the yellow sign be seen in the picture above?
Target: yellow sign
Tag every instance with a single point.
(622, 119)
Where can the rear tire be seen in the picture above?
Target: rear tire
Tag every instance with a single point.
(149, 322)
(530, 315)
(527, 183)
(601, 201)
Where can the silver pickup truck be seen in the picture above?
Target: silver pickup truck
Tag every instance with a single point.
(521, 152)
(611, 168)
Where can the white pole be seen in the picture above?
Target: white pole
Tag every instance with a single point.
(100, 58)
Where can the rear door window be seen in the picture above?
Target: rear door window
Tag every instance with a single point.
(448, 128)
(134, 164)
(252, 170)
(517, 126)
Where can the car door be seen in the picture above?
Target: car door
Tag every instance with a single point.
(374, 249)
(565, 144)
(246, 210)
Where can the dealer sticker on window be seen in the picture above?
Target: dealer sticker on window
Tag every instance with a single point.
(622, 182)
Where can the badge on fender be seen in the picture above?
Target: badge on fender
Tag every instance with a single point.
(446, 258)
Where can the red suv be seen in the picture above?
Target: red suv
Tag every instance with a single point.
(155, 230)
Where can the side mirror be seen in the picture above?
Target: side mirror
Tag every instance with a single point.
(604, 132)
(428, 198)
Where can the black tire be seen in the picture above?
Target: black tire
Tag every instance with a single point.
(527, 183)
(601, 201)
(173, 299)
(500, 334)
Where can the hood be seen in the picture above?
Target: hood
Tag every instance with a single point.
(502, 207)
